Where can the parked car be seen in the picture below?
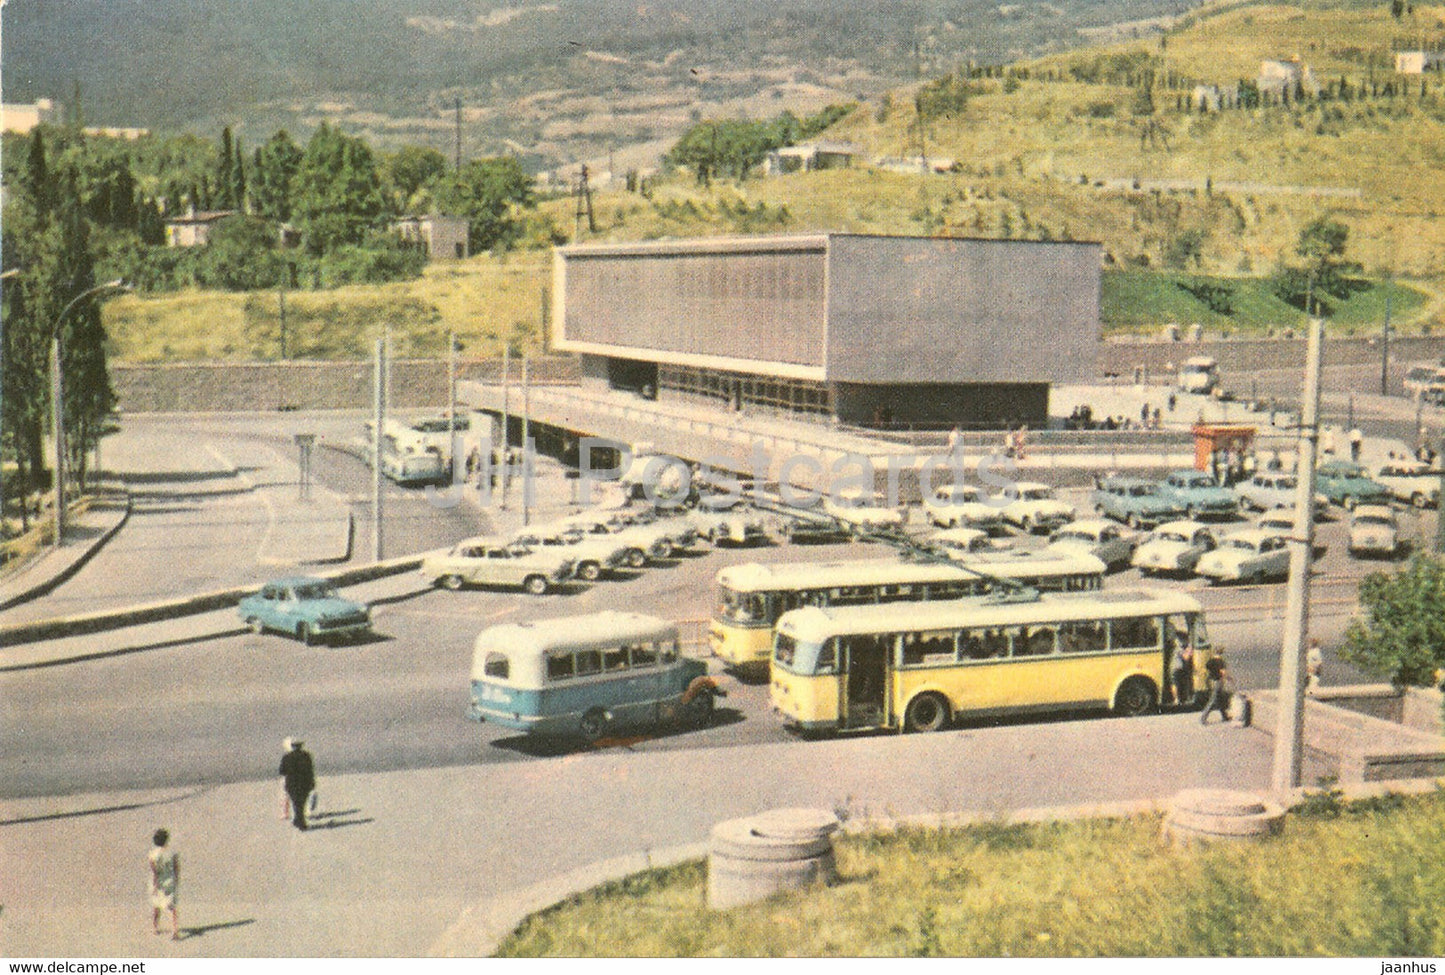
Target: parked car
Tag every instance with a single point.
(1034, 507)
(1199, 374)
(961, 506)
(308, 608)
(1105, 540)
(862, 511)
(1374, 531)
(1418, 378)
(1268, 490)
(814, 527)
(960, 542)
(496, 562)
(738, 522)
(1134, 501)
(1280, 521)
(1199, 495)
(1410, 481)
(1246, 555)
(1346, 484)
(655, 538)
(592, 556)
(1174, 547)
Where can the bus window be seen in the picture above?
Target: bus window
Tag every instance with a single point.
(1039, 642)
(996, 642)
(742, 607)
(668, 651)
(1135, 634)
(827, 658)
(496, 665)
(785, 648)
(644, 655)
(931, 647)
(1091, 636)
(589, 662)
(614, 659)
(559, 664)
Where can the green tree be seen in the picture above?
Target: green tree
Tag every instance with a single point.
(336, 193)
(488, 192)
(406, 172)
(272, 171)
(225, 173)
(1323, 275)
(241, 255)
(1402, 631)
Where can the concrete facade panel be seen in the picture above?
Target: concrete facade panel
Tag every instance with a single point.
(933, 310)
(764, 305)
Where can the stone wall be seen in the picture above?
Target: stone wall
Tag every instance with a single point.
(1239, 355)
(244, 386)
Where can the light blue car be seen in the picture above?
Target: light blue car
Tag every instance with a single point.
(305, 607)
(1197, 493)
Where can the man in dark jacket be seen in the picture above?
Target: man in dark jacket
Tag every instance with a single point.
(298, 778)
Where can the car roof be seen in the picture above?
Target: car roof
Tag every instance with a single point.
(1128, 480)
(957, 534)
(1185, 527)
(1031, 485)
(1089, 524)
(1373, 509)
(298, 581)
(1255, 535)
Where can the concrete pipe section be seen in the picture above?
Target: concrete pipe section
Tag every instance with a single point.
(1221, 814)
(757, 856)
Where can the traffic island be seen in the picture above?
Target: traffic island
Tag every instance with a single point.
(755, 857)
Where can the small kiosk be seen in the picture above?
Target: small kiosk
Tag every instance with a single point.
(1216, 444)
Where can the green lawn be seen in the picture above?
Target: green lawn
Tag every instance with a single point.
(1366, 879)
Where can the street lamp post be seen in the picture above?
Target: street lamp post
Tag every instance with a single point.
(57, 404)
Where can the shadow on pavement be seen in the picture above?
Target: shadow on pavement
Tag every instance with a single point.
(553, 747)
(102, 810)
(204, 929)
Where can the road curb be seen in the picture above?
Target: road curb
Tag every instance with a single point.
(51, 629)
(45, 587)
(481, 929)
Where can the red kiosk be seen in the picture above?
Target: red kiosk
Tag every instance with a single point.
(1220, 440)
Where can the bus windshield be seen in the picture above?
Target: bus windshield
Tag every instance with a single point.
(743, 607)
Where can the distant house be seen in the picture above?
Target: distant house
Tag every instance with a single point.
(1289, 75)
(810, 156)
(193, 229)
(438, 236)
(1417, 62)
(23, 118)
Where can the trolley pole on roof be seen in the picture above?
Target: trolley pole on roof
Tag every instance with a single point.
(1289, 727)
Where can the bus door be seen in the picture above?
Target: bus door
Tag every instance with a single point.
(863, 663)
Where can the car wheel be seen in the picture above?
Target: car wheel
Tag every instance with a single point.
(451, 581)
(662, 550)
(536, 585)
(1349, 502)
(636, 558)
(304, 634)
(1135, 697)
(589, 572)
(593, 724)
(1192, 513)
(1418, 500)
(926, 712)
(700, 710)
(1027, 524)
(1132, 520)
(256, 626)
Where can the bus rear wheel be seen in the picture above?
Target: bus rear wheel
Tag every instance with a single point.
(926, 712)
(1135, 698)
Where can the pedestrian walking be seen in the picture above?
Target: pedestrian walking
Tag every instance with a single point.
(298, 779)
(1314, 666)
(953, 438)
(1357, 443)
(1182, 675)
(1219, 680)
(165, 879)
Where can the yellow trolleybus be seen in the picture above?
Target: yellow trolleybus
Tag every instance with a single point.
(751, 596)
(921, 666)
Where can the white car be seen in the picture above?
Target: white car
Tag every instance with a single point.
(959, 543)
(591, 555)
(1173, 547)
(1410, 481)
(1268, 490)
(861, 511)
(1374, 531)
(739, 523)
(1033, 507)
(1419, 377)
(1106, 540)
(1247, 555)
(961, 506)
(656, 539)
(496, 562)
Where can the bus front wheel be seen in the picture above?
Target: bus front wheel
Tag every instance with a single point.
(593, 724)
(1135, 697)
(926, 712)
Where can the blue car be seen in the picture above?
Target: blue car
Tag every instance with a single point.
(1199, 495)
(1135, 501)
(1347, 484)
(305, 607)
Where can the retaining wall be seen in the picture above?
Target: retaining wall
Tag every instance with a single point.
(1240, 355)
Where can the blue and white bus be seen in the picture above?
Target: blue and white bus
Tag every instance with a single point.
(584, 676)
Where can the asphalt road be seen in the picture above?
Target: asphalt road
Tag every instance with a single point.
(214, 710)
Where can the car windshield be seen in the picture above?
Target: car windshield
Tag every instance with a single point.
(1373, 520)
(1241, 543)
(1036, 494)
(1141, 490)
(1202, 481)
(1074, 536)
(315, 590)
(1172, 537)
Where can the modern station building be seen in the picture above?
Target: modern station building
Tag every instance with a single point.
(870, 330)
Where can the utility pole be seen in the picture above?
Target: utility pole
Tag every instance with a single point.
(452, 398)
(459, 136)
(1385, 343)
(378, 403)
(1289, 727)
(506, 422)
(526, 448)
